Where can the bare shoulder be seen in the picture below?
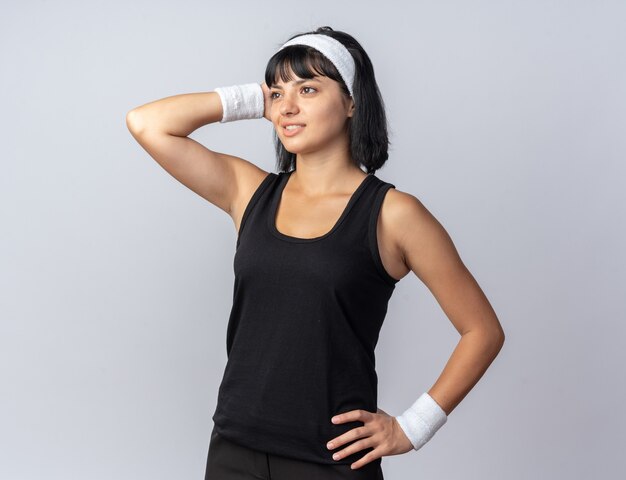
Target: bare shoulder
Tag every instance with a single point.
(403, 210)
(248, 179)
(427, 250)
(410, 234)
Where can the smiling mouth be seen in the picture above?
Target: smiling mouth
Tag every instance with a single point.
(292, 131)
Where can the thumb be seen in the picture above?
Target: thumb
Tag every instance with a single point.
(267, 100)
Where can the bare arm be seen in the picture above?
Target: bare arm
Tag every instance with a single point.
(429, 252)
(177, 115)
(162, 127)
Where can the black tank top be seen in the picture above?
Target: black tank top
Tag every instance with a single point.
(303, 327)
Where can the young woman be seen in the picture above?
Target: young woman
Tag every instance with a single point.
(320, 247)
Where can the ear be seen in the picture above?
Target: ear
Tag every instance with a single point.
(351, 108)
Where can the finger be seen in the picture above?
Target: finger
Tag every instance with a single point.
(350, 416)
(369, 457)
(353, 448)
(355, 433)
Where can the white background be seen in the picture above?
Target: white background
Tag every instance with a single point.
(506, 120)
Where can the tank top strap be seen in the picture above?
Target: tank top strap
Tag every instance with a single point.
(372, 237)
(261, 195)
(365, 208)
(360, 227)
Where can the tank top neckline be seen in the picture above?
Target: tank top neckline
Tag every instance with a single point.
(271, 218)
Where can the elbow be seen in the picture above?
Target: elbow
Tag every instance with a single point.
(498, 341)
(134, 122)
(493, 340)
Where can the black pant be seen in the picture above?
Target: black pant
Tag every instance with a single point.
(230, 461)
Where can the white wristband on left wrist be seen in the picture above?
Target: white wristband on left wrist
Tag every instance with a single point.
(241, 102)
(421, 420)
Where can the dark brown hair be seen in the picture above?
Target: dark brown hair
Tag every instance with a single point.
(367, 128)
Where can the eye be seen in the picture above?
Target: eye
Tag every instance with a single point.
(272, 97)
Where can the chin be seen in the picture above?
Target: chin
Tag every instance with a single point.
(295, 151)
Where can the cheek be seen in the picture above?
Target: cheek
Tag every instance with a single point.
(334, 122)
(333, 112)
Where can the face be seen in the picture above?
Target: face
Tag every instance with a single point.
(318, 104)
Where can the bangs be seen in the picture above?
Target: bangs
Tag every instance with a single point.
(304, 62)
(366, 128)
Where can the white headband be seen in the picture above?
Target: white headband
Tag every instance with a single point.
(332, 49)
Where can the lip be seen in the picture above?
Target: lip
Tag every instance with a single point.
(291, 133)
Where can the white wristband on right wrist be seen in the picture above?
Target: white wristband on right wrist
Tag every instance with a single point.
(421, 420)
(240, 102)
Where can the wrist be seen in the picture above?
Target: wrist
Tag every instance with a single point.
(421, 420)
(241, 102)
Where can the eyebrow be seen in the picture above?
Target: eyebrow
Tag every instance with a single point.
(297, 82)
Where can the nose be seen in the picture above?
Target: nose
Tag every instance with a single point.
(288, 104)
